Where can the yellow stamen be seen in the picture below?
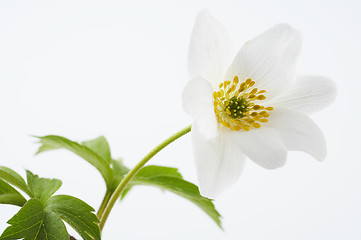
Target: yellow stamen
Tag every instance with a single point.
(235, 80)
(254, 90)
(261, 97)
(235, 108)
(256, 107)
(248, 81)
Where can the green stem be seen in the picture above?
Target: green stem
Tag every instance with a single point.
(106, 198)
(135, 170)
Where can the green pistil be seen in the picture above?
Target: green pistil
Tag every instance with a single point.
(236, 107)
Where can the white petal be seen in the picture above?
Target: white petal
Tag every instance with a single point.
(264, 146)
(209, 50)
(299, 132)
(269, 59)
(198, 102)
(308, 94)
(219, 163)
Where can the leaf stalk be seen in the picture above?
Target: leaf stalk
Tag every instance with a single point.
(123, 184)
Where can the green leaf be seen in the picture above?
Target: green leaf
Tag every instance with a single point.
(171, 180)
(126, 191)
(13, 178)
(119, 170)
(54, 228)
(42, 188)
(152, 171)
(52, 142)
(41, 217)
(26, 223)
(77, 214)
(149, 172)
(33, 223)
(100, 146)
(9, 195)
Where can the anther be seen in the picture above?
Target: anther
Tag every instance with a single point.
(256, 107)
(254, 90)
(263, 113)
(235, 80)
(261, 97)
(246, 127)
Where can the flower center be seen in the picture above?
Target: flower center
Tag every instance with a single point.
(238, 105)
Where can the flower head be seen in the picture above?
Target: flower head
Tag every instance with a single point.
(250, 104)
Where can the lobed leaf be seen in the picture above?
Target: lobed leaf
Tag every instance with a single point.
(33, 223)
(170, 179)
(77, 214)
(53, 227)
(41, 217)
(9, 195)
(13, 178)
(153, 171)
(42, 188)
(100, 146)
(92, 152)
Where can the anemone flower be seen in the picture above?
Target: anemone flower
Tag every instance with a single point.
(249, 104)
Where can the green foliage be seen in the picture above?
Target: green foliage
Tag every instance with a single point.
(152, 171)
(77, 214)
(9, 195)
(171, 180)
(97, 152)
(100, 146)
(85, 151)
(119, 170)
(42, 188)
(41, 217)
(13, 178)
(32, 222)
(53, 227)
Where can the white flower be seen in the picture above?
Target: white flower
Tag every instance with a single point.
(253, 106)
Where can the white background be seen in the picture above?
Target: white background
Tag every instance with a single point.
(81, 69)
